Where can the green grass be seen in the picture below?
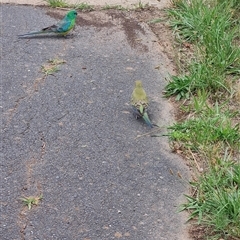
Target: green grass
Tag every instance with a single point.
(156, 20)
(30, 201)
(117, 7)
(52, 66)
(141, 6)
(57, 3)
(216, 199)
(208, 126)
(218, 56)
(64, 4)
(84, 7)
(208, 96)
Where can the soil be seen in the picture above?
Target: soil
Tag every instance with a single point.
(125, 3)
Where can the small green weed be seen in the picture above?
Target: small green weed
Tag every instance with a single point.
(84, 7)
(117, 7)
(179, 86)
(63, 4)
(157, 20)
(141, 6)
(30, 201)
(52, 66)
(57, 3)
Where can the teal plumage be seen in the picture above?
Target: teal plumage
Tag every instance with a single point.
(61, 28)
(139, 102)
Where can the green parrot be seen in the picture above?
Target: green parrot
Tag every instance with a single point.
(61, 28)
(139, 102)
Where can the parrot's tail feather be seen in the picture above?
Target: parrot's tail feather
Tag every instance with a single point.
(136, 112)
(147, 120)
(30, 34)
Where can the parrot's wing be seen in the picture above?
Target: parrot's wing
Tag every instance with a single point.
(52, 28)
(63, 26)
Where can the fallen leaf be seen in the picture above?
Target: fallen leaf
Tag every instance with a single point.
(187, 45)
(179, 175)
(118, 235)
(129, 68)
(126, 112)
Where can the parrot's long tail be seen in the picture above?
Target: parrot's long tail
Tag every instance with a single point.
(31, 33)
(147, 120)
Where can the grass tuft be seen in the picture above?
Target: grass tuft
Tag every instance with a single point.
(52, 66)
(209, 130)
(216, 199)
(218, 55)
(30, 201)
(117, 7)
(141, 6)
(57, 3)
(85, 7)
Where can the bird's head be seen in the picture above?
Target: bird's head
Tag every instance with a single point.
(72, 14)
(138, 84)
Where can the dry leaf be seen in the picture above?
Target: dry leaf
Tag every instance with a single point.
(118, 235)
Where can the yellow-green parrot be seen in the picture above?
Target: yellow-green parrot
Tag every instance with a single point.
(139, 102)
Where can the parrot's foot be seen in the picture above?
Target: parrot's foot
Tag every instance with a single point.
(70, 35)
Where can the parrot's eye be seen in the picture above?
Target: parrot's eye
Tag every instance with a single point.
(75, 13)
